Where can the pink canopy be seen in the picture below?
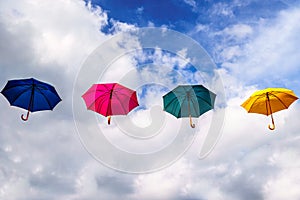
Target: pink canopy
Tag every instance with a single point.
(110, 99)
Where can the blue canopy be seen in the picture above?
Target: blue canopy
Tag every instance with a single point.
(31, 94)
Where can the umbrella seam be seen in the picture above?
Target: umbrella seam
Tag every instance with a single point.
(195, 108)
(29, 84)
(45, 98)
(254, 103)
(281, 100)
(15, 99)
(179, 112)
(88, 92)
(275, 92)
(172, 100)
(105, 93)
(102, 101)
(94, 102)
(203, 100)
(120, 102)
(130, 97)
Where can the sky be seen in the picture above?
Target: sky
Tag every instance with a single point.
(233, 48)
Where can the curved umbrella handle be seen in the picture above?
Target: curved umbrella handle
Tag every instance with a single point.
(191, 122)
(273, 124)
(271, 127)
(108, 120)
(25, 118)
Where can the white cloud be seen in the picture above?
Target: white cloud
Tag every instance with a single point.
(201, 27)
(150, 24)
(223, 9)
(140, 10)
(287, 177)
(119, 27)
(272, 55)
(55, 28)
(44, 158)
(191, 3)
(238, 31)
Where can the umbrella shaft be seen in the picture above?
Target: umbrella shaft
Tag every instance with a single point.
(269, 104)
(189, 106)
(268, 98)
(31, 99)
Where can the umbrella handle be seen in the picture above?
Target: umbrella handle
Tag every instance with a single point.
(191, 122)
(271, 127)
(108, 120)
(273, 124)
(25, 118)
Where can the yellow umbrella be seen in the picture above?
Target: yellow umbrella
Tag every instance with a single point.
(269, 101)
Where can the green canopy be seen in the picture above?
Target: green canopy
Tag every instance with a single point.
(189, 101)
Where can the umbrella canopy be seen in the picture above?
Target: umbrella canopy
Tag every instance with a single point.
(189, 101)
(269, 101)
(110, 99)
(31, 94)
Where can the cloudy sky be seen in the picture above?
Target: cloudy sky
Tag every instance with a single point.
(234, 48)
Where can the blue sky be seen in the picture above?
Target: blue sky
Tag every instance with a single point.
(184, 16)
(254, 44)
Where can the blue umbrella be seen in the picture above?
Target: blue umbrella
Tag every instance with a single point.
(31, 94)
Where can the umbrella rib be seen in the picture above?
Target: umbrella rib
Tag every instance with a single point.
(94, 102)
(203, 100)
(184, 99)
(96, 99)
(16, 86)
(119, 89)
(131, 92)
(279, 100)
(13, 101)
(254, 102)
(194, 106)
(120, 102)
(93, 91)
(171, 102)
(133, 99)
(105, 93)
(130, 97)
(45, 97)
(100, 105)
(179, 112)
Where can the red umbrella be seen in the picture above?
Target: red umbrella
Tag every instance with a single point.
(110, 99)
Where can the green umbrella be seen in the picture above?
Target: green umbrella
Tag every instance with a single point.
(189, 101)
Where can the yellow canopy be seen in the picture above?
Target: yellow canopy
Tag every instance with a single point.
(269, 101)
